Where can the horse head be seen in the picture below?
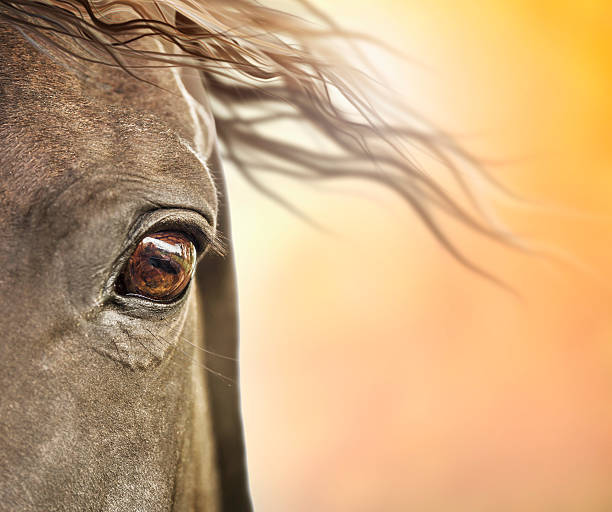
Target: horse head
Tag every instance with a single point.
(113, 398)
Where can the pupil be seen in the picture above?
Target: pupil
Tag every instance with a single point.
(164, 265)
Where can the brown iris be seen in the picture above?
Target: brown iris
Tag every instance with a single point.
(160, 267)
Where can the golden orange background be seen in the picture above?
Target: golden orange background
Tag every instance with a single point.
(377, 373)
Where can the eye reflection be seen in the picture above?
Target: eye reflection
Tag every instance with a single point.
(160, 267)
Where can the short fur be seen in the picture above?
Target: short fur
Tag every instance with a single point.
(109, 403)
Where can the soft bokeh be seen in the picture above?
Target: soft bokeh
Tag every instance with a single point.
(380, 375)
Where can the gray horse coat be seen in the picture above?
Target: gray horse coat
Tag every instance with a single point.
(106, 402)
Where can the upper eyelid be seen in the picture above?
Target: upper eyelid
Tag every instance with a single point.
(191, 222)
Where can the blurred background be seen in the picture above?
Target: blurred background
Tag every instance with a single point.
(380, 375)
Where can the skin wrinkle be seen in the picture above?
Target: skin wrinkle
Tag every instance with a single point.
(81, 429)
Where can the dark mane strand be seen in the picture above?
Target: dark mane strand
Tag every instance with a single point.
(259, 66)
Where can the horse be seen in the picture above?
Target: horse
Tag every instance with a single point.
(118, 357)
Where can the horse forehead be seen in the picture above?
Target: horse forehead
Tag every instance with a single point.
(59, 127)
(46, 71)
(45, 103)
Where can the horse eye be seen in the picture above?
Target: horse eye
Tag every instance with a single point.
(160, 267)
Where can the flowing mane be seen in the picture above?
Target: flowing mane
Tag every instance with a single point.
(259, 66)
